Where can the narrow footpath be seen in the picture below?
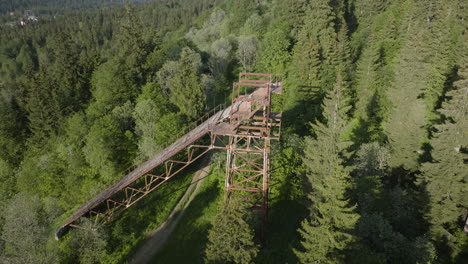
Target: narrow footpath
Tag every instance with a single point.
(159, 236)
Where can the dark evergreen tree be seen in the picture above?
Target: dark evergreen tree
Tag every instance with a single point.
(315, 52)
(186, 90)
(42, 114)
(132, 49)
(326, 234)
(274, 54)
(383, 213)
(230, 240)
(445, 178)
(289, 15)
(407, 115)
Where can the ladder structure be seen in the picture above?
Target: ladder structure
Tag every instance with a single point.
(245, 129)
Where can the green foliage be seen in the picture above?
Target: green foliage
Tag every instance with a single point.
(247, 52)
(288, 16)
(131, 48)
(274, 53)
(445, 177)
(239, 12)
(85, 93)
(183, 82)
(112, 86)
(230, 240)
(188, 241)
(371, 165)
(287, 176)
(146, 115)
(209, 32)
(327, 233)
(67, 73)
(384, 230)
(221, 56)
(37, 174)
(41, 111)
(407, 116)
(7, 188)
(316, 50)
(254, 25)
(26, 231)
(107, 149)
(89, 244)
(12, 126)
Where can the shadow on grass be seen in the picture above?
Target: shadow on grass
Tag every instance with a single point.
(188, 241)
(285, 218)
(127, 231)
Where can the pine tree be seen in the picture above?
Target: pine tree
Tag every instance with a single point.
(108, 148)
(43, 116)
(407, 115)
(131, 48)
(274, 54)
(445, 178)
(321, 51)
(325, 234)
(67, 84)
(315, 50)
(441, 36)
(186, 87)
(231, 238)
(368, 9)
(289, 15)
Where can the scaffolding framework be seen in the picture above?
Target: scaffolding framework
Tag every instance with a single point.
(248, 151)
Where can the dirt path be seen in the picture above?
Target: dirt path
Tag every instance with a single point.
(159, 236)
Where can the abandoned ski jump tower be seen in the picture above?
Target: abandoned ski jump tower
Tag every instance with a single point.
(245, 129)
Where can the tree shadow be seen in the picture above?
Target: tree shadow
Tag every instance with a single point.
(128, 229)
(392, 227)
(285, 218)
(188, 241)
(305, 107)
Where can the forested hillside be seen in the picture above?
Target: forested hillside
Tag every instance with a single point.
(11, 6)
(371, 167)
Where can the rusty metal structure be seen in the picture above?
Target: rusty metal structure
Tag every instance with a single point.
(245, 129)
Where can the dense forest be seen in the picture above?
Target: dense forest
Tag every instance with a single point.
(371, 167)
(19, 5)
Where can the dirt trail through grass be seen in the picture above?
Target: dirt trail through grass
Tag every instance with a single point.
(159, 236)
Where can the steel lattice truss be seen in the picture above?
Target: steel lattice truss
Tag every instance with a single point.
(245, 129)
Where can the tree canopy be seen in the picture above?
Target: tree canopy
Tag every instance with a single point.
(370, 167)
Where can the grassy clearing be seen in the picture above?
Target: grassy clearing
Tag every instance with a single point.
(188, 241)
(131, 228)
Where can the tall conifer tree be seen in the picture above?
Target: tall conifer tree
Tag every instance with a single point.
(325, 234)
(446, 177)
(231, 238)
(407, 116)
